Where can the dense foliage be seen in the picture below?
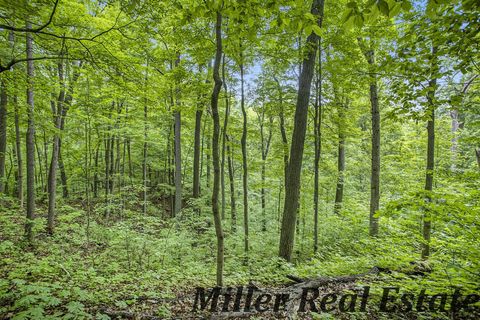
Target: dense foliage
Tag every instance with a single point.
(118, 177)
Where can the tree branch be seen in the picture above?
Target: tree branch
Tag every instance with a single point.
(34, 30)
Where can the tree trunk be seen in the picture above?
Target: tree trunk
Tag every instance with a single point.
(197, 150)
(477, 153)
(95, 174)
(369, 54)
(18, 148)
(145, 145)
(3, 131)
(196, 153)
(341, 172)
(224, 136)
(30, 143)
(283, 131)
(427, 223)
(63, 173)
(231, 175)
(244, 154)
(292, 186)
(52, 173)
(216, 163)
(177, 146)
(317, 123)
(265, 144)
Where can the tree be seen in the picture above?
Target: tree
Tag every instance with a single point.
(369, 54)
(215, 147)
(30, 143)
(292, 186)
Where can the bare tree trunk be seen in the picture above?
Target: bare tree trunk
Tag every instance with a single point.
(145, 144)
(477, 153)
(63, 173)
(3, 131)
(427, 223)
(283, 131)
(231, 176)
(40, 165)
(244, 154)
(18, 148)
(292, 186)
(208, 161)
(52, 174)
(215, 138)
(197, 150)
(224, 136)
(265, 144)
(341, 173)
(369, 54)
(30, 143)
(95, 174)
(317, 123)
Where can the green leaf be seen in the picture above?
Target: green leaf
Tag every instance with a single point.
(318, 31)
(383, 7)
(358, 21)
(406, 5)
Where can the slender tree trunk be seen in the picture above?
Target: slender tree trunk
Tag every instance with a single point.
(208, 160)
(95, 174)
(317, 123)
(283, 131)
(197, 150)
(30, 143)
(369, 54)
(244, 154)
(375, 174)
(52, 174)
(224, 135)
(215, 153)
(427, 223)
(63, 173)
(18, 148)
(341, 172)
(145, 144)
(40, 165)
(292, 186)
(3, 131)
(477, 153)
(265, 144)
(455, 127)
(231, 176)
(177, 147)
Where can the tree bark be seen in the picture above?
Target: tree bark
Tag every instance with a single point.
(215, 154)
(341, 173)
(3, 131)
(265, 143)
(30, 143)
(317, 123)
(52, 173)
(196, 150)
(292, 186)
(224, 137)
(283, 131)
(369, 54)
(178, 148)
(18, 149)
(432, 84)
(231, 175)
(244, 154)
(145, 144)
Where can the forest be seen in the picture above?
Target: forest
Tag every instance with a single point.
(261, 159)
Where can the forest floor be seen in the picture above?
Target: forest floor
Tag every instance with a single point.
(143, 267)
